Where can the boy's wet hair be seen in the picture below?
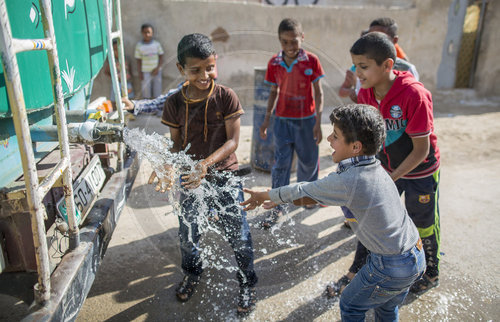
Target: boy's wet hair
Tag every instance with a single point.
(147, 25)
(290, 24)
(360, 122)
(376, 46)
(389, 24)
(194, 46)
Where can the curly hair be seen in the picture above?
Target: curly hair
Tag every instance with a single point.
(194, 46)
(360, 122)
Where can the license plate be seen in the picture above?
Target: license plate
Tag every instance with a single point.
(85, 188)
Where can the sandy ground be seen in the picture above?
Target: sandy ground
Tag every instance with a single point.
(309, 248)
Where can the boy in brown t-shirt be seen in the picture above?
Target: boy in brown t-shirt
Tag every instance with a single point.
(206, 116)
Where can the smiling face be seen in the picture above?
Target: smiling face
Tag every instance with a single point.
(369, 73)
(342, 149)
(199, 72)
(291, 42)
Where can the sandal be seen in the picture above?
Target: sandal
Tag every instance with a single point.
(347, 224)
(271, 219)
(336, 288)
(186, 288)
(424, 284)
(246, 300)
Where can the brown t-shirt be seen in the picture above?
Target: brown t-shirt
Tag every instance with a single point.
(202, 123)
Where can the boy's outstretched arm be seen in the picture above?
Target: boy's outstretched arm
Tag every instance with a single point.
(193, 180)
(256, 199)
(420, 151)
(304, 201)
(318, 101)
(273, 94)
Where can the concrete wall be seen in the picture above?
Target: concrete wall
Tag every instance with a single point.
(488, 65)
(329, 32)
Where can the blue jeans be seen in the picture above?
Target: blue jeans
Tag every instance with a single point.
(232, 221)
(382, 284)
(294, 135)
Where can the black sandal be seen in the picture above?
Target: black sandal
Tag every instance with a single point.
(335, 289)
(186, 288)
(246, 300)
(424, 284)
(271, 219)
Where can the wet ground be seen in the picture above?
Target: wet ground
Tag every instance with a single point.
(309, 248)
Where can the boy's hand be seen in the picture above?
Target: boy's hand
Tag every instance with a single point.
(129, 106)
(350, 78)
(256, 199)
(154, 71)
(193, 180)
(165, 179)
(317, 134)
(263, 129)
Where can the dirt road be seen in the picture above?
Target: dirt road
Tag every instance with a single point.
(309, 248)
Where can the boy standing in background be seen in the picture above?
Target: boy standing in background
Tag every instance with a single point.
(149, 57)
(292, 75)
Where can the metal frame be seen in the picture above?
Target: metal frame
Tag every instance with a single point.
(36, 192)
(110, 7)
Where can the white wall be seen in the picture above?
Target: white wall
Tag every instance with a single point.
(329, 32)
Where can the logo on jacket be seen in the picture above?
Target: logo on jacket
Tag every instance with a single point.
(396, 111)
(424, 198)
(308, 72)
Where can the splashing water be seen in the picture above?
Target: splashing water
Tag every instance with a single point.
(155, 149)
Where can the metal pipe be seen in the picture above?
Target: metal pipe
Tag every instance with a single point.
(77, 116)
(111, 61)
(121, 58)
(116, 35)
(87, 132)
(51, 178)
(20, 45)
(20, 119)
(48, 27)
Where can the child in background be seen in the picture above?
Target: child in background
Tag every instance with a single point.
(389, 27)
(409, 154)
(206, 116)
(350, 87)
(292, 75)
(370, 201)
(149, 57)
